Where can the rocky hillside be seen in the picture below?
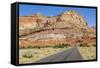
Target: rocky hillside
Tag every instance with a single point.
(67, 27)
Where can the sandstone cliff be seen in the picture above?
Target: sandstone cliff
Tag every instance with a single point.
(67, 27)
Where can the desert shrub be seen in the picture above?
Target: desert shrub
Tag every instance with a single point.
(38, 47)
(27, 55)
(67, 45)
(29, 46)
(61, 46)
(81, 45)
(46, 46)
(22, 47)
(84, 45)
(72, 11)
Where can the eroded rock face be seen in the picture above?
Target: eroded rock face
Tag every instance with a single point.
(41, 29)
(36, 22)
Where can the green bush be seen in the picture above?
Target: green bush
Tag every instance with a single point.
(61, 46)
(46, 46)
(27, 55)
(84, 45)
(72, 11)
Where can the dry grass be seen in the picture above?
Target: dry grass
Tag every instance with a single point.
(30, 55)
(88, 53)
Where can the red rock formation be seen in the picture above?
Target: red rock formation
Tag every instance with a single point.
(68, 28)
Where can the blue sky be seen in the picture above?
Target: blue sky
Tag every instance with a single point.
(88, 13)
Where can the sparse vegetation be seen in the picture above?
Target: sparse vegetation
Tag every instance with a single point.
(54, 46)
(27, 55)
(88, 53)
(61, 46)
(33, 54)
(72, 11)
(84, 45)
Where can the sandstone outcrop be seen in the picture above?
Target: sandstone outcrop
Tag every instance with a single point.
(68, 27)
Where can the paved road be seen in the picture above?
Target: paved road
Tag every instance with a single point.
(67, 55)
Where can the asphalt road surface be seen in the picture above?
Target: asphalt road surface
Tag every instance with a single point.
(67, 55)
